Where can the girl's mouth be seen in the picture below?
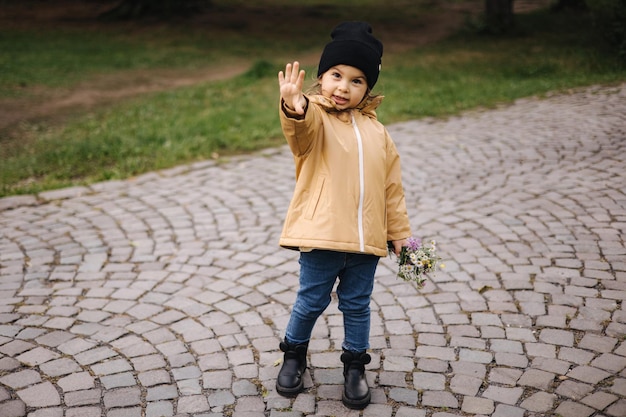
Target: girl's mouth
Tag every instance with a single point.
(340, 100)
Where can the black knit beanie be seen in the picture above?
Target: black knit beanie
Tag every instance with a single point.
(353, 44)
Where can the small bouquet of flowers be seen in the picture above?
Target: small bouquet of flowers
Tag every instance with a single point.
(417, 259)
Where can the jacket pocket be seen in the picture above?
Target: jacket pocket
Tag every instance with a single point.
(315, 198)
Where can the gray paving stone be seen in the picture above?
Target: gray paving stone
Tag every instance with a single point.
(154, 377)
(503, 394)
(122, 397)
(465, 385)
(394, 379)
(432, 365)
(159, 409)
(540, 349)
(505, 376)
(398, 363)
(111, 367)
(192, 404)
(439, 399)
(429, 381)
(189, 387)
(124, 412)
(47, 412)
(468, 355)
(76, 381)
(599, 400)
(55, 338)
(94, 355)
(244, 388)
(77, 345)
(83, 412)
(578, 356)
(13, 408)
(187, 372)
(503, 410)
(476, 405)
(469, 368)
(21, 379)
(433, 352)
(125, 379)
(40, 395)
(573, 409)
(84, 397)
(403, 395)
(554, 366)
(588, 374)
(162, 392)
(410, 412)
(4, 394)
(617, 409)
(16, 347)
(304, 403)
(9, 364)
(221, 398)
(536, 378)
(148, 362)
(610, 362)
(557, 337)
(574, 390)
(511, 359)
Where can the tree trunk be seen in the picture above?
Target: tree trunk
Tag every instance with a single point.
(131, 9)
(499, 15)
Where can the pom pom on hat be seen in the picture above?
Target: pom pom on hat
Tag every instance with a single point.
(353, 44)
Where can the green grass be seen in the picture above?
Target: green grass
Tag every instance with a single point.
(549, 53)
(168, 128)
(63, 58)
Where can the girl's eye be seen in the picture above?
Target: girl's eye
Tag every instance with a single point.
(336, 75)
(358, 81)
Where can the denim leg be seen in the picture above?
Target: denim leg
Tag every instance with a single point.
(356, 283)
(319, 270)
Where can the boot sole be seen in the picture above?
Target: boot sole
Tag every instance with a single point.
(356, 404)
(290, 391)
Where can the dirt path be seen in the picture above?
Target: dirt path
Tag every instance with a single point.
(100, 91)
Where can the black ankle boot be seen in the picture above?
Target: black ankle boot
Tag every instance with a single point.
(356, 393)
(290, 378)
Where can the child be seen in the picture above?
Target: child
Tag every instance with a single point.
(347, 204)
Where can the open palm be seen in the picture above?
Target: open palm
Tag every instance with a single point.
(290, 83)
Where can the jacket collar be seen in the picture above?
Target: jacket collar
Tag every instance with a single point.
(366, 107)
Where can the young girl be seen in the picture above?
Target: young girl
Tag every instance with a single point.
(347, 204)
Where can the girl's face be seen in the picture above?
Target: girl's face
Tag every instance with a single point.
(345, 85)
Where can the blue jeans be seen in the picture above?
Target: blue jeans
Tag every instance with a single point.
(319, 269)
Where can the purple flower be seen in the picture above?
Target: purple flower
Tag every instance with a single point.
(414, 243)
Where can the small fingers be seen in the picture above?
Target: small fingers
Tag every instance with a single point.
(295, 69)
(300, 79)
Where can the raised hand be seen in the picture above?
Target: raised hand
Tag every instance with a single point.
(290, 83)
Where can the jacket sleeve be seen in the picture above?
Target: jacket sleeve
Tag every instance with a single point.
(398, 225)
(300, 133)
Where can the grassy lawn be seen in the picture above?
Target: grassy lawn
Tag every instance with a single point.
(551, 52)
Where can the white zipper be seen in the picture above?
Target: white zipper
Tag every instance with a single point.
(359, 142)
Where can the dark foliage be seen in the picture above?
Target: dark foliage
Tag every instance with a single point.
(132, 9)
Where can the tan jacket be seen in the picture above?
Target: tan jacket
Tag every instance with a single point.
(348, 195)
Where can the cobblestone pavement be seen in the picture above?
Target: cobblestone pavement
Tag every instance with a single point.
(167, 294)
